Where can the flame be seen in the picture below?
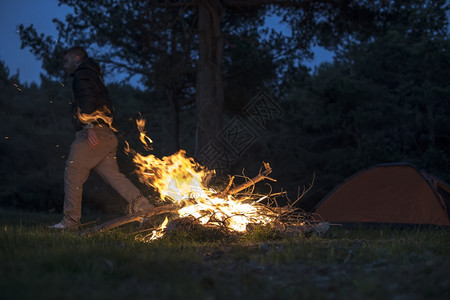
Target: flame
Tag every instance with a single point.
(145, 140)
(159, 232)
(103, 114)
(178, 178)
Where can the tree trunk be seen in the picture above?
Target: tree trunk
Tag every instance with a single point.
(209, 85)
(175, 144)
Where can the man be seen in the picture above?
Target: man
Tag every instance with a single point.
(95, 143)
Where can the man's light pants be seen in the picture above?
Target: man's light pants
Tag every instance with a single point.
(82, 159)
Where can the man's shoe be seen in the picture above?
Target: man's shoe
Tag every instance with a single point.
(57, 226)
(61, 226)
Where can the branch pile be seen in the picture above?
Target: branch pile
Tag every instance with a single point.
(288, 219)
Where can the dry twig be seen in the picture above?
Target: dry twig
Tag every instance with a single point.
(261, 176)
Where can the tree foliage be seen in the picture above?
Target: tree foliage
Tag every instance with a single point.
(383, 99)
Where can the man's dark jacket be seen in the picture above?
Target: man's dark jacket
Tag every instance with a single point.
(89, 92)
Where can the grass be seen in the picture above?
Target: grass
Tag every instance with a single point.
(357, 263)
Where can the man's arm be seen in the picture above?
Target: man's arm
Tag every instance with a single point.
(86, 93)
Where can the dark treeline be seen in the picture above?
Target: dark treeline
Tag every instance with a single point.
(384, 98)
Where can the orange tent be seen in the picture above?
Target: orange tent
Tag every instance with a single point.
(389, 193)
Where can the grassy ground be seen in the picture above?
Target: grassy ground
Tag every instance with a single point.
(357, 263)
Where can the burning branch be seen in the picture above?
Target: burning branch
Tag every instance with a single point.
(139, 217)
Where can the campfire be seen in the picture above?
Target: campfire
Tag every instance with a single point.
(183, 183)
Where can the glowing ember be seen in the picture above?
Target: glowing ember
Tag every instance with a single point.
(180, 179)
(103, 114)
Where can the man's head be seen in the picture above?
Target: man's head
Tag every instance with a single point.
(72, 59)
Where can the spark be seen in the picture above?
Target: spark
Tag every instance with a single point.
(16, 85)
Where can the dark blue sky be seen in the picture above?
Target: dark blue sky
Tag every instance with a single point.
(27, 12)
(40, 13)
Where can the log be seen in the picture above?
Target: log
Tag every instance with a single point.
(138, 217)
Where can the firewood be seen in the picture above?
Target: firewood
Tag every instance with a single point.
(261, 176)
(182, 224)
(138, 217)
